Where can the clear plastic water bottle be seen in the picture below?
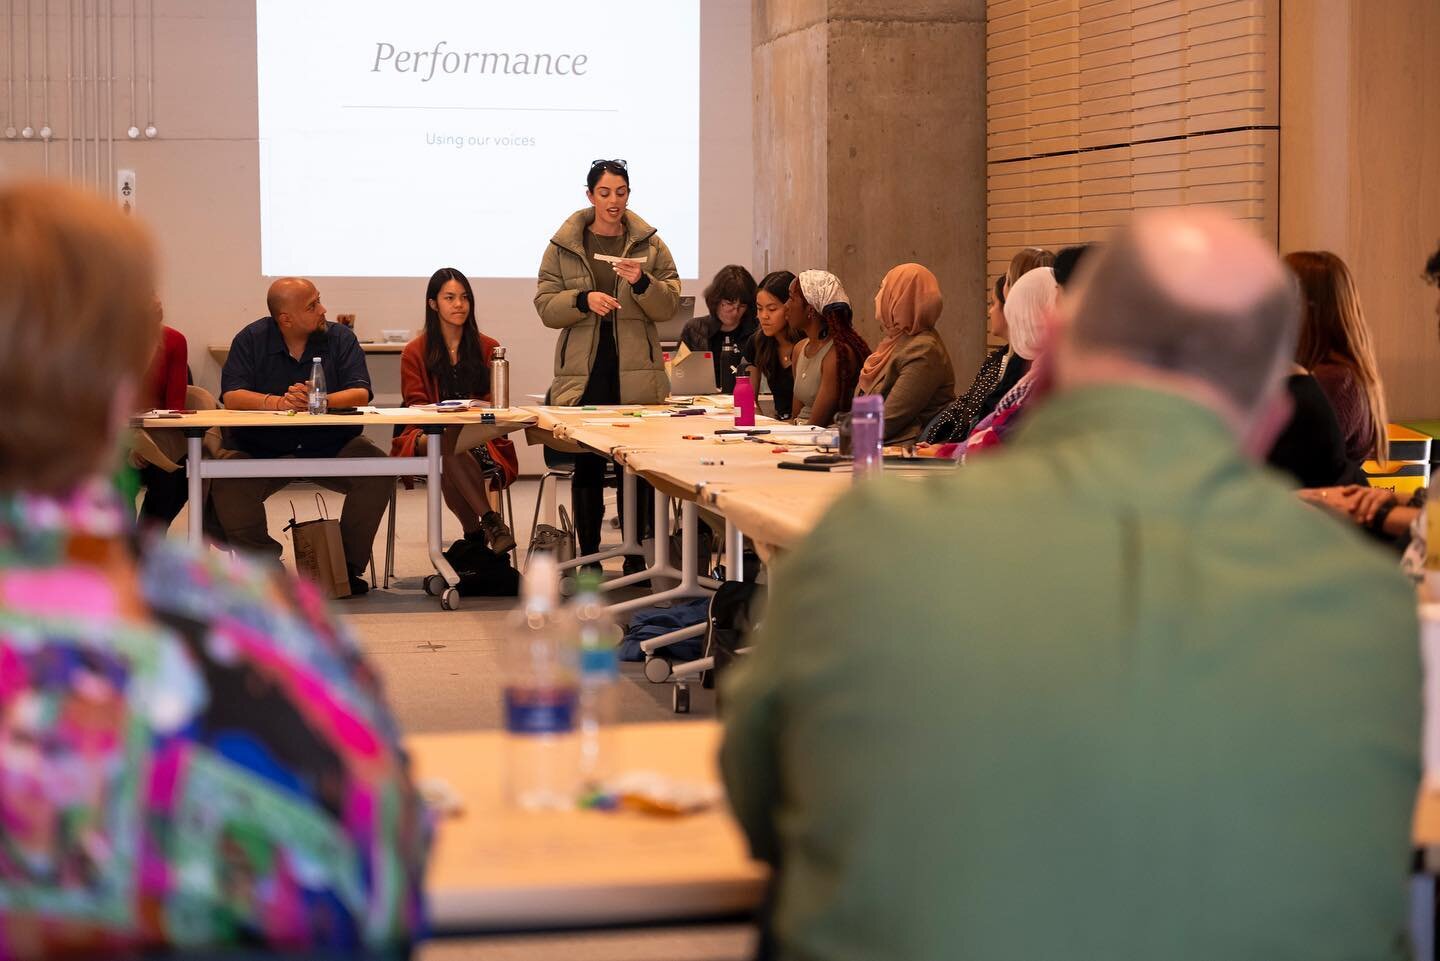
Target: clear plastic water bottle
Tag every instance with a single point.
(541, 696)
(319, 400)
(867, 430)
(599, 677)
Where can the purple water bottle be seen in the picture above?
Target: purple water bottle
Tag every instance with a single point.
(867, 429)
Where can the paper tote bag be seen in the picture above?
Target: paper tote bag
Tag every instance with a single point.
(319, 554)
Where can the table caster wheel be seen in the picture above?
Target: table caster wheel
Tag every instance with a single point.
(434, 585)
(680, 699)
(450, 600)
(657, 669)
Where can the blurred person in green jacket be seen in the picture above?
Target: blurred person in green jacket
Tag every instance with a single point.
(1113, 692)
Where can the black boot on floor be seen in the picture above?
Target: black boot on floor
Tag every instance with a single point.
(358, 584)
(588, 505)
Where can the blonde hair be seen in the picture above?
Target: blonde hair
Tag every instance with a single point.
(76, 326)
(1024, 261)
(1333, 329)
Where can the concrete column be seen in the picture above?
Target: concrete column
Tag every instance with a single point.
(870, 149)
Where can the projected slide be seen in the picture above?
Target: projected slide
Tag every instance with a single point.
(396, 138)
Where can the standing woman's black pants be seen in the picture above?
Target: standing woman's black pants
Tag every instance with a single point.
(587, 490)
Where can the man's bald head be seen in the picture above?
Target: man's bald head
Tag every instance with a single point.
(1195, 293)
(288, 295)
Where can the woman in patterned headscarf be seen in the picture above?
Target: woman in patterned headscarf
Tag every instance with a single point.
(827, 363)
(820, 303)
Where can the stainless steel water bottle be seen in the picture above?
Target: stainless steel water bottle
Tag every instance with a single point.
(499, 379)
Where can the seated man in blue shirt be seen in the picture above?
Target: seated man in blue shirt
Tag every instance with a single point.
(268, 369)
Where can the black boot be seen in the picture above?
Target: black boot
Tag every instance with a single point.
(588, 506)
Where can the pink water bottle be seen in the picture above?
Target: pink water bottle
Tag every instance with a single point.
(744, 402)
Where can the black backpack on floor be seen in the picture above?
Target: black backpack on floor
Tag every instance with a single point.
(734, 611)
(483, 573)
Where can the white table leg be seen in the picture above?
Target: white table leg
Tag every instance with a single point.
(194, 447)
(734, 551)
(690, 585)
(433, 503)
(630, 543)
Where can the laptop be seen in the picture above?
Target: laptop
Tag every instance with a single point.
(694, 376)
(669, 331)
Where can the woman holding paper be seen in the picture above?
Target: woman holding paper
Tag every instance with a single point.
(451, 360)
(606, 280)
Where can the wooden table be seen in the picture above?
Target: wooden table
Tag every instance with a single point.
(494, 868)
(222, 351)
(198, 469)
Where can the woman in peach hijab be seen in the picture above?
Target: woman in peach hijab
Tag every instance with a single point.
(910, 368)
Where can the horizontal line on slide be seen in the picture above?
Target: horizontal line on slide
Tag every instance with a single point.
(402, 106)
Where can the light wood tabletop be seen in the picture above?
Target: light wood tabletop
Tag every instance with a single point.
(496, 868)
(514, 417)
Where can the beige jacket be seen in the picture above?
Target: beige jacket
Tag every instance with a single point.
(565, 271)
(917, 384)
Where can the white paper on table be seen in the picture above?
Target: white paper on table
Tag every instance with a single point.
(453, 405)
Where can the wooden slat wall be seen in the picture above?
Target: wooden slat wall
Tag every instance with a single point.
(1096, 108)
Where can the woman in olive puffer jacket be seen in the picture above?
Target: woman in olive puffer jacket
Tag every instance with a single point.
(608, 351)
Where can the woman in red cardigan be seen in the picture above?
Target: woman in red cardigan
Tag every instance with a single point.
(164, 388)
(451, 360)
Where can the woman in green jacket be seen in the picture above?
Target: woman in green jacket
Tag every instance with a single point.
(606, 310)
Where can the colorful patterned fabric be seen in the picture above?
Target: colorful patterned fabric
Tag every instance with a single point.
(192, 753)
(992, 430)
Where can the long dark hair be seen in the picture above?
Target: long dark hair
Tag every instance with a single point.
(1334, 329)
(767, 351)
(850, 350)
(470, 375)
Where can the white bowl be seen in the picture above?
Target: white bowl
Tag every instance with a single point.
(395, 336)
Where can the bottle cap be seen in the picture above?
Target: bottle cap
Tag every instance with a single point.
(869, 404)
(497, 353)
(588, 582)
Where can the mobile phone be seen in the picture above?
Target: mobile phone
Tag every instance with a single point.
(344, 411)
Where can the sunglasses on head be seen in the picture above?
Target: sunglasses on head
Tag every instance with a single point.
(609, 163)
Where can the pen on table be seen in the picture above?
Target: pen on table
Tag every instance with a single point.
(691, 437)
(743, 430)
(711, 462)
